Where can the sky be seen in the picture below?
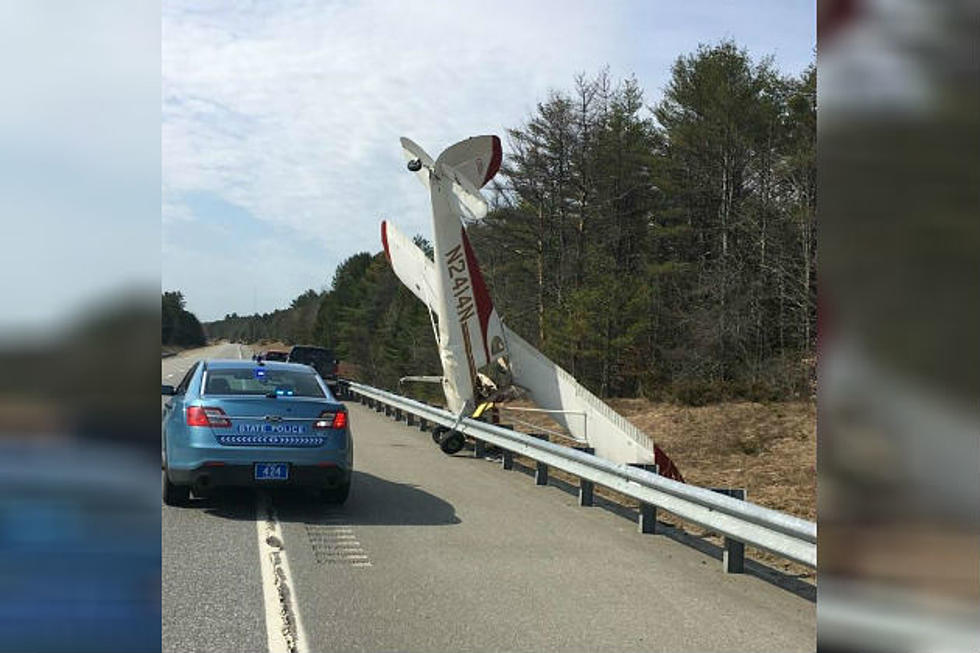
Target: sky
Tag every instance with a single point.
(281, 118)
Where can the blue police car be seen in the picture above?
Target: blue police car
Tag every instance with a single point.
(254, 423)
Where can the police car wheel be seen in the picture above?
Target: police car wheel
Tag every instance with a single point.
(175, 495)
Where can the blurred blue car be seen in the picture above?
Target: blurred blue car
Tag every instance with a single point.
(254, 423)
(79, 547)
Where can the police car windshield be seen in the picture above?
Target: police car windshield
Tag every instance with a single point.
(262, 381)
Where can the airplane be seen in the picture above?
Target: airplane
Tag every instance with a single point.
(484, 363)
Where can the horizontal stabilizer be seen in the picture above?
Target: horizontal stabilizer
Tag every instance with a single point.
(412, 151)
(469, 200)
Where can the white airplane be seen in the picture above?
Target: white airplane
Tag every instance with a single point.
(482, 360)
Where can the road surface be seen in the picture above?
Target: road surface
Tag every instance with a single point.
(440, 553)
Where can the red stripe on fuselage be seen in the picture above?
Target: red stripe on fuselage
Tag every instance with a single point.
(484, 307)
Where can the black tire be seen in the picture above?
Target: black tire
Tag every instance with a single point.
(437, 433)
(175, 495)
(336, 495)
(452, 443)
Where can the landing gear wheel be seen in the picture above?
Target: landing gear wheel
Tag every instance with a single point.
(175, 495)
(452, 442)
(437, 433)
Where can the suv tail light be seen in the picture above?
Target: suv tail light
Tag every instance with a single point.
(331, 420)
(207, 416)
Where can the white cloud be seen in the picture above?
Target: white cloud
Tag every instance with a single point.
(294, 113)
(292, 110)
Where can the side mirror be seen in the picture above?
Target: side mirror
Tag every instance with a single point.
(168, 390)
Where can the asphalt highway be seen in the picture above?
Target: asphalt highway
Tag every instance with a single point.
(449, 553)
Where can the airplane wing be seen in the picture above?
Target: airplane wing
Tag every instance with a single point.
(589, 419)
(410, 264)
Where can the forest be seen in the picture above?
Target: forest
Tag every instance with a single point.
(179, 326)
(665, 251)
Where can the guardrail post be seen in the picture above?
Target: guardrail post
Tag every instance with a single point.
(733, 557)
(647, 518)
(507, 460)
(586, 488)
(480, 446)
(398, 414)
(410, 419)
(540, 469)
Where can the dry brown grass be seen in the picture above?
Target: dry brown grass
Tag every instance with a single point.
(768, 449)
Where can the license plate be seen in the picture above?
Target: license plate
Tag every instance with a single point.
(271, 471)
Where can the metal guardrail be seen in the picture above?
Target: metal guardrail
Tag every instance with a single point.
(773, 531)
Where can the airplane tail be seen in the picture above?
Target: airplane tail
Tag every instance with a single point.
(474, 161)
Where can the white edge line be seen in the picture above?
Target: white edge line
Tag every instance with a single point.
(298, 620)
(267, 526)
(275, 642)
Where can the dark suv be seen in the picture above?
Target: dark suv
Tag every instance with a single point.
(320, 359)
